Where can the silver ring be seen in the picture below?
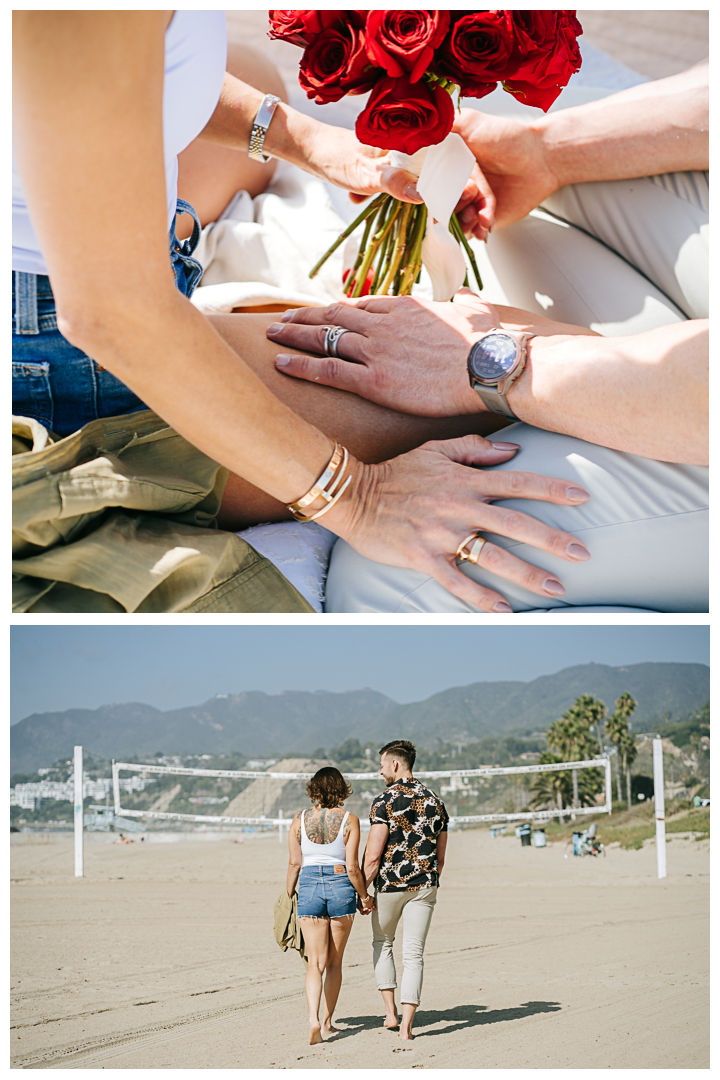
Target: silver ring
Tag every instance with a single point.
(332, 336)
(473, 554)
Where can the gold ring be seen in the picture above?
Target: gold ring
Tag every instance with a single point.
(473, 554)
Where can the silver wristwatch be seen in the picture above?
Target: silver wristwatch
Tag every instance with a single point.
(260, 125)
(495, 361)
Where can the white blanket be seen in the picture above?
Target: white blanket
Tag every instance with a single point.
(261, 250)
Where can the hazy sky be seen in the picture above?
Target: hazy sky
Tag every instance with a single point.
(63, 667)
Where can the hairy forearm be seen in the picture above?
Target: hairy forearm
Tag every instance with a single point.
(645, 394)
(370, 869)
(657, 127)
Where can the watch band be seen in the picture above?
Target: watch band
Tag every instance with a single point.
(494, 397)
(260, 125)
(493, 400)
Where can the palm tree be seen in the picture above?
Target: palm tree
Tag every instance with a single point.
(617, 729)
(570, 736)
(551, 788)
(629, 752)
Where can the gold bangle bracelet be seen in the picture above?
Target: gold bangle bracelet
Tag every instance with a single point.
(324, 509)
(327, 487)
(318, 487)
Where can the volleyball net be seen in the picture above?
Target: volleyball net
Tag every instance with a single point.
(513, 793)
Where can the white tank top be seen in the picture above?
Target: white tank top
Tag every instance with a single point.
(323, 854)
(195, 61)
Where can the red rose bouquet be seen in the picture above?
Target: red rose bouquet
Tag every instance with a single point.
(412, 62)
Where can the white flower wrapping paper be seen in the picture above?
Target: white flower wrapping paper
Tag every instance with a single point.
(442, 171)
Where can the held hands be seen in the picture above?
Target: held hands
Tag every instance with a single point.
(368, 906)
(407, 354)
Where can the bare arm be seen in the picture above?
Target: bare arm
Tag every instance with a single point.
(646, 394)
(656, 127)
(332, 153)
(376, 842)
(352, 845)
(441, 849)
(295, 860)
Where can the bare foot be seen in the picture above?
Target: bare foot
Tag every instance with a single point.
(405, 1034)
(327, 1028)
(315, 1035)
(390, 1021)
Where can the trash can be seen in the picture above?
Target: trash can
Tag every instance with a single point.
(525, 837)
(576, 843)
(493, 833)
(539, 838)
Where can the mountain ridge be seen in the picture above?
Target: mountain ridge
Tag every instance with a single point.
(298, 721)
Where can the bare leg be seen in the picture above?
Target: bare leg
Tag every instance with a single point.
(315, 933)
(408, 1015)
(369, 431)
(391, 1016)
(339, 934)
(208, 174)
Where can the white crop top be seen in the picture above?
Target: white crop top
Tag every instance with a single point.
(195, 61)
(323, 854)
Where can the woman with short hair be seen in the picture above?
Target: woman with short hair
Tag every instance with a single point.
(324, 846)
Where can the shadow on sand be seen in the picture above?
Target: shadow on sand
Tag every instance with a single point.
(458, 1018)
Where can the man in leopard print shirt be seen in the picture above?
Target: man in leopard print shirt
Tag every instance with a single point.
(404, 856)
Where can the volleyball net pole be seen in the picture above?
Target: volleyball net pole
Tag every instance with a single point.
(281, 822)
(78, 809)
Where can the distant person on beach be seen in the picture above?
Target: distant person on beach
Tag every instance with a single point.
(123, 840)
(404, 856)
(324, 868)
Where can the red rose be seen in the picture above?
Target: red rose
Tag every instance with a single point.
(548, 54)
(406, 116)
(405, 41)
(336, 64)
(302, 27)
(479, 52)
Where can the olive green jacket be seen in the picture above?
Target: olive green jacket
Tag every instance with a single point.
(120, 517)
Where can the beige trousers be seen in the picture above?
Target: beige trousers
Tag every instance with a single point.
(416, 909)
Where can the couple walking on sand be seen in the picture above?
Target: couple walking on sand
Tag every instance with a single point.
(403, 857)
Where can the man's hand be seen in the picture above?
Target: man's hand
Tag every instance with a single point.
(511, 158)
(368, 907)
(407, 354)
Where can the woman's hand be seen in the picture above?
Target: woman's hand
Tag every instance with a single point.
(415, 510)
(336, 155)
(366, 908)
(407, 354)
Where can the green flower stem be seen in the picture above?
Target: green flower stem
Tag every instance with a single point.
(372, 207)
(374, 221)
(460, 235)
(414, 264)
(398, 252)
(372, 249)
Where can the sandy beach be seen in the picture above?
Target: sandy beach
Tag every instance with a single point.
(163, 956)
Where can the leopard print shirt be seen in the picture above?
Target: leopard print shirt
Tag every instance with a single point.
(415, 817)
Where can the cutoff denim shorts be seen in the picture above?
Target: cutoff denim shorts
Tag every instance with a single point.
(59, 385)
(325, 894)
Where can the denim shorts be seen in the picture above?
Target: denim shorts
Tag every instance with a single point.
(59, 385)
(325, 894)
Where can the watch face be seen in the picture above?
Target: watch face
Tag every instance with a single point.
(493, 357)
